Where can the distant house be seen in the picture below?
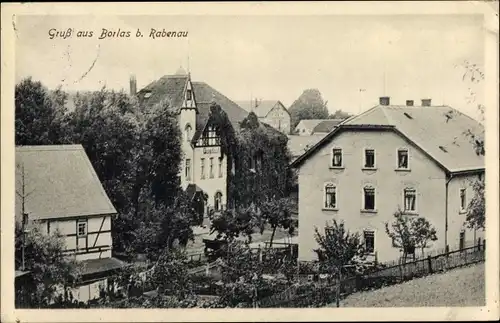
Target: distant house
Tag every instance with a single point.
(62, 192)
(298, 145)
(203, 172)
(272, 112)
(416, 158)
(306, 127)
(326, 126)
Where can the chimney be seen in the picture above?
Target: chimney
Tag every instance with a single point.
(133, 85)
(426, 102)
(409, 103)
(384, 100)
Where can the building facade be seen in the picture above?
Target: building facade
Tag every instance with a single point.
(271, 112)
(59, 191)
(203, 167)
(416, 159)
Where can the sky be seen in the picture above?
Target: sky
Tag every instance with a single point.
(266, 57)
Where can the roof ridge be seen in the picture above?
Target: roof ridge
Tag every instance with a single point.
(49, 147)
(386, 115)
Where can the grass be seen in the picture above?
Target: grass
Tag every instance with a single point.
(458, 287)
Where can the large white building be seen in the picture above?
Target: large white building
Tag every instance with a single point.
(203, 170)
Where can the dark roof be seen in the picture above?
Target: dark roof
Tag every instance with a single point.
(428, 128)
(326, 125)
(205, 95)
(297, 145)
(168, 88)
(171, 88)
(309, 123)
(263, 106)
(93, 266)
(59, 182)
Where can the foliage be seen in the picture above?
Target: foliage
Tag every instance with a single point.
(339, 248)
(339, 114)
(231, 223)
(476, 210)
(409, 232)
(278, 214)
(309, 105)
(170, 274)
(51, 271)
(39, 115)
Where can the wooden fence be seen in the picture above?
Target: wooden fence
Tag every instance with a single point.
(322, 294)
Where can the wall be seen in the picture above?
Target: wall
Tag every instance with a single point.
(425, 176)
(456, 217)
(187, 116)
(210, 185)
(278, 118)
(97, 236)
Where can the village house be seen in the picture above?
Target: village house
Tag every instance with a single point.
(325, 126)
(306, 127)
(271, 112)
(57, 189)
(203, 171)
(415, 158)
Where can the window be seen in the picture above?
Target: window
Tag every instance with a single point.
(410, 197)
(462, 240)
(218, 201)
(220, 167)
(189, 95)
(463, 199)
(188, 169)
(211, 172)
(202, 164)
(188, 132)
(82, 229)
(369, 198)
(369, 158)
(369, 238)
(330, 196)
(403, 158)
(337, 157)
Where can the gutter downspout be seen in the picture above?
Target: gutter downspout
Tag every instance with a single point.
(449, 178)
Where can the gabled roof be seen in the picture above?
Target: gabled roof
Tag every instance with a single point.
(297, 145)
(59, 182)
(168, 87)
(439, 131)
(326, 125)
(263, 106)
(205, 95)
(172, 87)
(309, 123)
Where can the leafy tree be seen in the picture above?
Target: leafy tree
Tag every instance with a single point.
(170, 274)
(51, 271)
(338, 250)
(278, 214)
(39, 115)
(309, 105)
(409, 233)
(232, 223)
(476, 211)
(339, 114)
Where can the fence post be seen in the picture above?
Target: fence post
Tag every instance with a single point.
(478, 244)
(429, 263)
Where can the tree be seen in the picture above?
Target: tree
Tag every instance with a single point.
(339, 114)
(231, 223)
(39, 115)
(309, 105)
(170, 274)
(475, 218)
(278, 214)
(409, 233)
(338, 250)
(51, 271)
